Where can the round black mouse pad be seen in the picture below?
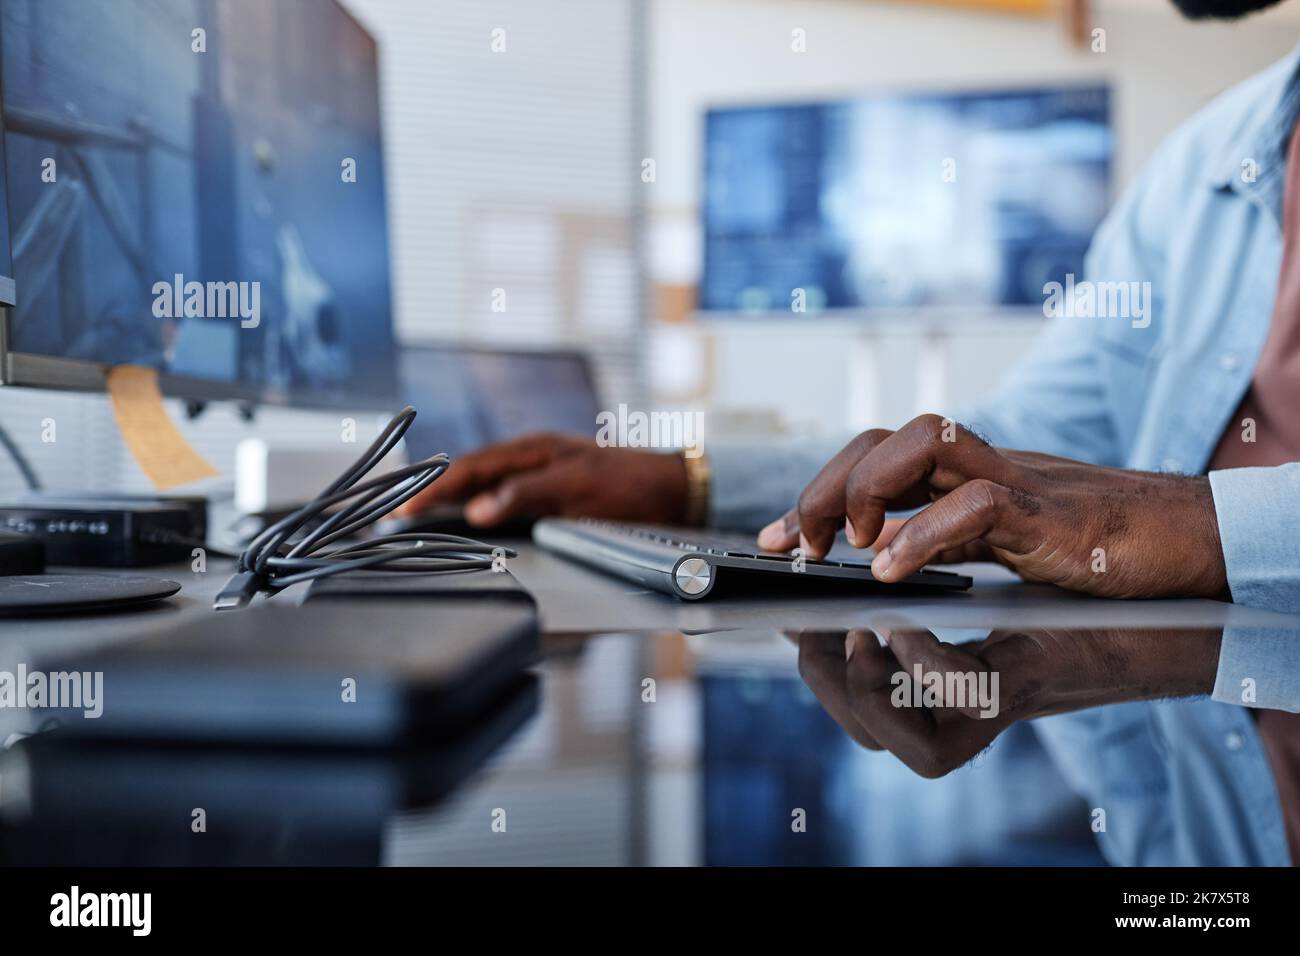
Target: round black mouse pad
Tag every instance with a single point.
(63, 593)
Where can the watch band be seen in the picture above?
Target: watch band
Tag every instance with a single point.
(697, 487)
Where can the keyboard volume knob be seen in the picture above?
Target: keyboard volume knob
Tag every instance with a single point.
(693, 576)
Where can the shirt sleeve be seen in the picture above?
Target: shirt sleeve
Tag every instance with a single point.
(1055, 399)
(752, 483)
(1052, 402)
(1258, 511)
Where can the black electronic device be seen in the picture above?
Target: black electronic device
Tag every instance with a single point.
(325, 806)
(450, 519)
(695, 564)
(35, 594)
(21, 554)
(338, 673)
(496, 585)
(109, 531)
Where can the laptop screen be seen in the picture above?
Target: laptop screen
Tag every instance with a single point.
(467, 398)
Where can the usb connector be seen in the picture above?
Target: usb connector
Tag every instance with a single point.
(239, 590)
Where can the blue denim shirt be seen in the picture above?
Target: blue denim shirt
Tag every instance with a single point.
(1182, 782)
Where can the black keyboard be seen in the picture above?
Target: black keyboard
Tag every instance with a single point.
(694, 564)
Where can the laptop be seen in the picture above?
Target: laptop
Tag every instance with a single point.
(469, 396)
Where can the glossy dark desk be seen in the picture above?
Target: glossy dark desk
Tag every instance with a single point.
(654, 732)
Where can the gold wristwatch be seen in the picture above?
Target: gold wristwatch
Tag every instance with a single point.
(697, 487)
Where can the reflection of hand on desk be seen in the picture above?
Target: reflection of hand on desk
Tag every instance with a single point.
(936, 705)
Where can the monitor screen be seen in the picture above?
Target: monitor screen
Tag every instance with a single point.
(197, 186)
(902, 201)
(6, 259)
(466, 397)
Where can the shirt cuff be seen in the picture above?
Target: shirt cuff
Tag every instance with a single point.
(752, 484)
(1258, 510)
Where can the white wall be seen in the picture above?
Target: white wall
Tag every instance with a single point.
(512, 170)
(706, 53)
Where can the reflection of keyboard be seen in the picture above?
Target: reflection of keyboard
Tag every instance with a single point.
(693, 564)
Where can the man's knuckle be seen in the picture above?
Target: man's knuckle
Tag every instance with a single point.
(918, 540)
(808, 503)
(869, 439)
(982, 496)
(859, 487)
(929, 424)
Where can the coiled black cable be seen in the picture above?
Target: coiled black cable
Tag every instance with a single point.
(297, 547)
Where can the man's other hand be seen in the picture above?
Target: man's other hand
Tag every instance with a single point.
(1105, 531)
(546, 474)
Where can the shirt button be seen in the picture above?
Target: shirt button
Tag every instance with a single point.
(1234, 741)
(1230, 361)
(1171, 464)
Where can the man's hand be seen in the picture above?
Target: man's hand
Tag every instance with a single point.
(560, 475)
(868, 688)
(1106, 531)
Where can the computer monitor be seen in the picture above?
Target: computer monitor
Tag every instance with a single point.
(197, 186)
(6, 260)
(938, 200)
(469, 397)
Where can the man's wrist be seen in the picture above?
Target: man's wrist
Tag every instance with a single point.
(1213, 576)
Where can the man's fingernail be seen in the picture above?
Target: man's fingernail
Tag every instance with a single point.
(771, 537)
(482, 508)
(880, 564)
(850, 645)
(850, 533)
